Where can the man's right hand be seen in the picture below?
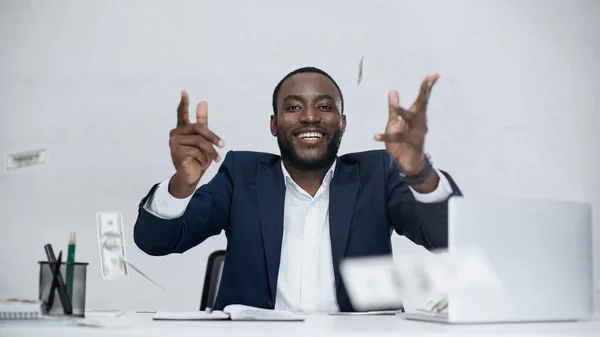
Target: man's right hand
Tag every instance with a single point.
(192, 148)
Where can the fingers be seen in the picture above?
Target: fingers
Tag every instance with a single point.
(182, 110)
(425, 91)
(202, 114)
(409, 116)
(198, 142)
(391, 137)
(393, 105)
(209, 135)
(194, 152)
(197, 129)
(400, 137)
(395, 110)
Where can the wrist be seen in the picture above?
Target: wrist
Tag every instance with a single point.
(429, 185)
(417, 174)
(179, 188)
(413, 169)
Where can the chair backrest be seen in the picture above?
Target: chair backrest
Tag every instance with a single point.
(212, 279)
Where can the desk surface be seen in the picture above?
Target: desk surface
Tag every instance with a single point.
(134, 324)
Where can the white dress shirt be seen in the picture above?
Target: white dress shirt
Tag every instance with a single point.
(305, 281)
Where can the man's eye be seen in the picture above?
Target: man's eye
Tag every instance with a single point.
(293, 108)
(325, 107)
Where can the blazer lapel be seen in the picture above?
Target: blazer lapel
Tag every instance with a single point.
(270, 191)
(343, 190)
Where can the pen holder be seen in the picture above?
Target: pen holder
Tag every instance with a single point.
(72, 276)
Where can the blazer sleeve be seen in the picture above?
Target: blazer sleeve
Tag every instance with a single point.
(207, 214)
(425, 224)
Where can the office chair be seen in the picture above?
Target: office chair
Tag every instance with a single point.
(212, 278)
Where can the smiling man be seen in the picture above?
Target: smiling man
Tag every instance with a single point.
(291, 219)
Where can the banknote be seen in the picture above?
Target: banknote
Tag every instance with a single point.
(463, 268)
(372, 283)
(111, 241)
(360, 69)
(381, 282)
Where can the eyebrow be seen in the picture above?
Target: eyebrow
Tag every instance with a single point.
(300, 98)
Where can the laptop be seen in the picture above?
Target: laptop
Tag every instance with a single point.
(541, 251)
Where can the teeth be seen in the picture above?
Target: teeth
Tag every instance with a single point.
(310, 135)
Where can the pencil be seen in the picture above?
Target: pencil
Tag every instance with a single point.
(70, 265)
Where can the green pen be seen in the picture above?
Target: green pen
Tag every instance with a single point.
(70, 265)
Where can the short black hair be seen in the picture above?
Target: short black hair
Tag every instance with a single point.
(300, 71)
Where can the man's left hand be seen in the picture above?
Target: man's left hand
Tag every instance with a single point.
(405, 132)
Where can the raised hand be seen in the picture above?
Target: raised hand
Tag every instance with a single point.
(192, 148)
(405, 132)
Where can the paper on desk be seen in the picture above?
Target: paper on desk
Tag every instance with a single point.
(189, 316)
(103, 313)
(235, 312)
(104, 323)
(367, 313)
(380, 282)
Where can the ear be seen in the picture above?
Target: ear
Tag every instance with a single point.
(343, 122)
(274, 125)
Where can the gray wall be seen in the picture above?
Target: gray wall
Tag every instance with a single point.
(97, 84)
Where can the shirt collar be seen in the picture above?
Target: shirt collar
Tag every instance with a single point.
(326, 180)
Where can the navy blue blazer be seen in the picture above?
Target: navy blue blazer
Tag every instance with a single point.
(368, 200)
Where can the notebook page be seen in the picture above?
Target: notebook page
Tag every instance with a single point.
(240, 312)
(20, 309)
(190, 315)
(367, 313)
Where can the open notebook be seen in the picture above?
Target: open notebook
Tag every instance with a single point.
(234, 312)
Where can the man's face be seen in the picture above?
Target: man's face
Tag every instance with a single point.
(308, 124)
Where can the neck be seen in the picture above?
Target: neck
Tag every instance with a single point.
(309, 180)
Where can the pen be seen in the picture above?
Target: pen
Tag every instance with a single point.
(70, 266)
(57, 276)
(55, 269)
(53, 285)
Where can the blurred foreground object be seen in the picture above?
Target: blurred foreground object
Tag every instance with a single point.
(381, 283)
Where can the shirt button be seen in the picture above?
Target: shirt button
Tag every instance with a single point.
(270, 304)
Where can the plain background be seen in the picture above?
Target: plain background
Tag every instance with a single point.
(514, 114)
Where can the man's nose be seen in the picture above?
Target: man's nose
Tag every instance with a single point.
(310, 115)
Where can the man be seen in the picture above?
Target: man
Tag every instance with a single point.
(291, 219)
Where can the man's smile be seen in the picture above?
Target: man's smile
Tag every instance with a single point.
(310, 137)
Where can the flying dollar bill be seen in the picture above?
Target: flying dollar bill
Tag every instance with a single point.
(111, 241)
(382, 281)
(360, 70)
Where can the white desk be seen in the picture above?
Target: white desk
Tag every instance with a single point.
(132, 324)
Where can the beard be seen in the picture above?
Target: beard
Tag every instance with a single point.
(309, 164)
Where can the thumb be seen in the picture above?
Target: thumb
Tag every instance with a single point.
(202, 113)
(393, 104)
